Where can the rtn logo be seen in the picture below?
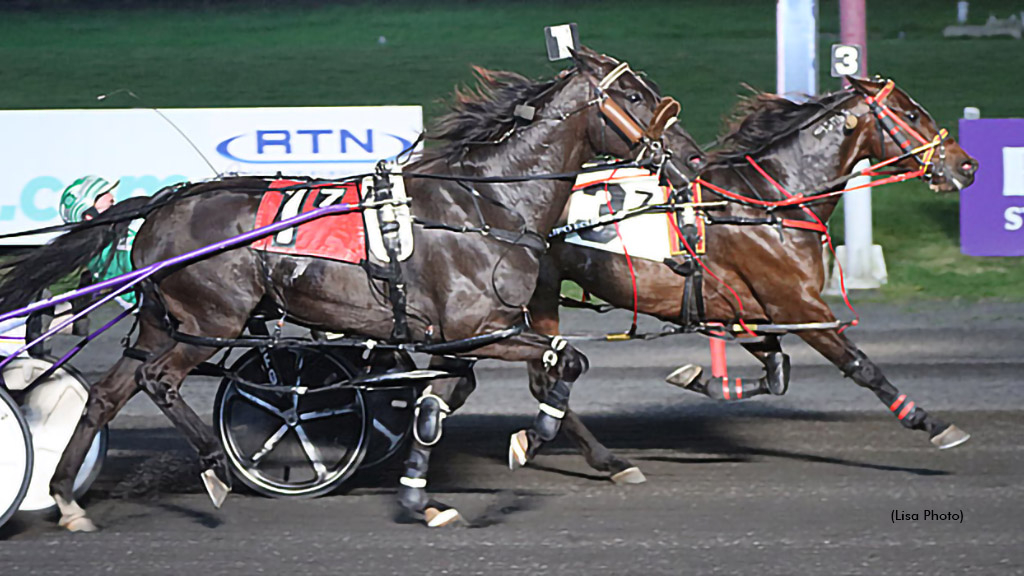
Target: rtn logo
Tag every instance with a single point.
(318, 146)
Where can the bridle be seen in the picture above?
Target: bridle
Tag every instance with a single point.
(909, 141)
(647, 142)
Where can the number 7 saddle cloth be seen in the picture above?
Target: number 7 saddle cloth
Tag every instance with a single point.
(341, 237)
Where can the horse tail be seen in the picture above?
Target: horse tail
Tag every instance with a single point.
(26, 276)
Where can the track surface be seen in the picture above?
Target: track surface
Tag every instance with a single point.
(802, 484)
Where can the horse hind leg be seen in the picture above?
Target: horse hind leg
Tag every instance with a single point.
(106, 398)
(598, 456)
(161, 377)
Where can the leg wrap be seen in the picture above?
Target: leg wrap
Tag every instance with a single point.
(866, 374)
(722, 389)
(431, 411)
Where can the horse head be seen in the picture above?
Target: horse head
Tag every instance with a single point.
(889, 125)
(633, 119)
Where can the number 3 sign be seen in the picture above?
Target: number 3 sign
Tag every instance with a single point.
(846, 60)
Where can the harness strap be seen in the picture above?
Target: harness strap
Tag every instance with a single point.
(805, 225)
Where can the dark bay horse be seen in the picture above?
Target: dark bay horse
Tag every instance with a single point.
(777, 273)
(460, 284)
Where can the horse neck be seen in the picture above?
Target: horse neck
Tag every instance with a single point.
(553, 146)
(803, 163)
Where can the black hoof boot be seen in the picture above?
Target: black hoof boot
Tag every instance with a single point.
(776, 365)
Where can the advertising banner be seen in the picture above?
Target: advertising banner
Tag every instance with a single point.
(992, 209)
(46, 150)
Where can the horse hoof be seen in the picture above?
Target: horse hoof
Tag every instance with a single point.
(215, 487)
(951, 437)
(517, 447)
(437, 518)
(684, 375)
(78, 524)
(629, 476)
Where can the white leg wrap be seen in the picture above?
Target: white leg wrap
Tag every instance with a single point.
(552, 411)
(413, 482)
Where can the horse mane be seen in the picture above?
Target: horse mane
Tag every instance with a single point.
(482, 112)
(760, 119)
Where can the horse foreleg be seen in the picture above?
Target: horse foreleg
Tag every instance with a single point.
(856, 365)
(565, 364)
(432, 407)
(106, 398)
(598, 456)
(161, 379)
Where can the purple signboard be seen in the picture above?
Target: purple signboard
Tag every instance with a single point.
(992, 209)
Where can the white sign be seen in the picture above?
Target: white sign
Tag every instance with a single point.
(561, 40)
(846, 60)
(1013, 171)
(46, 150)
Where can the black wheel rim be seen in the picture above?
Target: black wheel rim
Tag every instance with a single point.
(289, 443)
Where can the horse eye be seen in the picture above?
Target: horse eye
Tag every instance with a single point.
(912, 116)
(634, 97)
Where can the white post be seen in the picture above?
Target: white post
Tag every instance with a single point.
(862, 260)
(796, 36)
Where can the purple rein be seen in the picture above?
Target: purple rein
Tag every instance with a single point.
(126, 282)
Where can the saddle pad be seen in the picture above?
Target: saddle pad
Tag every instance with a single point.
(339, 237)
(647, 236)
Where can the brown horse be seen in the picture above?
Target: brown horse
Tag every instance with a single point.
(777, 272)
(478, 245)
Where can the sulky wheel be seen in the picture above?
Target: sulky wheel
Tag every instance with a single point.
(15, 457)
(291, 443)
(52, 408)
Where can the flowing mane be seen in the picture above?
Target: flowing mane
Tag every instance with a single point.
(483, 112)
(759, 120)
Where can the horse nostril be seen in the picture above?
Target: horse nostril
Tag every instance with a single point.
(695, 161)
(968, 167)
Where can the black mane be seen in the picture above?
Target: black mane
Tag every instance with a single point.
(761, 119)
(482, 113)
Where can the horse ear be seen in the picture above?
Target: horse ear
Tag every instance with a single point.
(862, 85)
(667, 109)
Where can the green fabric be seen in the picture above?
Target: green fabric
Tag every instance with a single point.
(120, 262)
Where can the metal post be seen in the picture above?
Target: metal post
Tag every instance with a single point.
(796, 35)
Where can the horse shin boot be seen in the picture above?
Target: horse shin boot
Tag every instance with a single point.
(429, 415)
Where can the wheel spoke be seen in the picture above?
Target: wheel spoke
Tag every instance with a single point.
(269, 444)
(312, 453)
(259, 402)
(326, 414)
